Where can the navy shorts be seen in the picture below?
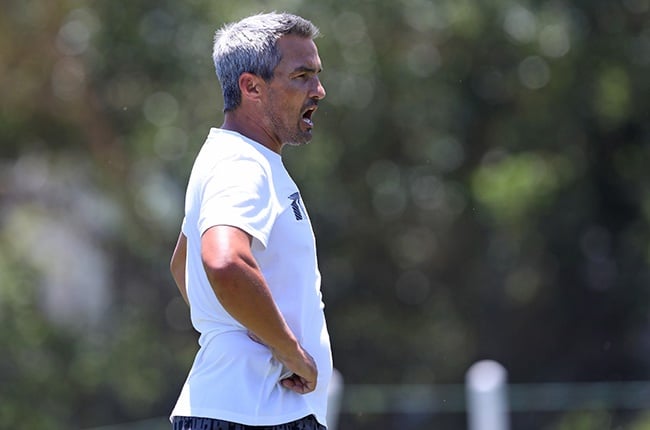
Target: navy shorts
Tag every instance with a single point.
(195, 423)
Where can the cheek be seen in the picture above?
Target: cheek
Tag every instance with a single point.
(286, 104)
(280, 103)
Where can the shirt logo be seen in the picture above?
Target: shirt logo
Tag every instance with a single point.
(295, 205)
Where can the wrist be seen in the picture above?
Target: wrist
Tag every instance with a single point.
(288, 349)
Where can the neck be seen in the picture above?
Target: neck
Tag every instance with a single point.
(250, 127)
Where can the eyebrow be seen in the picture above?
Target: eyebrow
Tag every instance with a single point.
(306, 69)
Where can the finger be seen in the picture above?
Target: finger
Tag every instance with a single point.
(298, 384)
(291, 384)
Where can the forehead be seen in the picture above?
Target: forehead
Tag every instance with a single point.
(298, 52)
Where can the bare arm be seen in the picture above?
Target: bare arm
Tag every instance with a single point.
(177, 265)
(240, 287)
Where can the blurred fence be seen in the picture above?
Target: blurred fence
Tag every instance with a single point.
(450, 398)
(428, 399)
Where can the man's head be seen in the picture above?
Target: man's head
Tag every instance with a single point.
(269, 69)
(251, 46)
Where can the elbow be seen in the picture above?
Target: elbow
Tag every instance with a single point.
(219, 269)
(222, 275)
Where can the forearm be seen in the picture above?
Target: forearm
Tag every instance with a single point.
(242, 291)
(244, 294)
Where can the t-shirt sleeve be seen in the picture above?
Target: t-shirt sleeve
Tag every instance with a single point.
(237, 193)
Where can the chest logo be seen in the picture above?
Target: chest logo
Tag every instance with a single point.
(295, 206)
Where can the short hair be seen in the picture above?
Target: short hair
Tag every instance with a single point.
(250, 45)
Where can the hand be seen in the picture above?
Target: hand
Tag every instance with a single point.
(298, 384)
(305, 373)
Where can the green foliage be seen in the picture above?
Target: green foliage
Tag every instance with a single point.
(516, 186)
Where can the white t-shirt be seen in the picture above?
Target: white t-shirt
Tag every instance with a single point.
(239, 182)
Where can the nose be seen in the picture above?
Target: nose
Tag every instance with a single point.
(319, 90)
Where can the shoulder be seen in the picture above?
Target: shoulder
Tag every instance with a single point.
(229, 145)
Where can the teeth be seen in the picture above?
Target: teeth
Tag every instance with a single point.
(308, 121)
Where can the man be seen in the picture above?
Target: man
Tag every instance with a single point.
(245, 260)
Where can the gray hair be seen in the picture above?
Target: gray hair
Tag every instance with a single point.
(250, 45)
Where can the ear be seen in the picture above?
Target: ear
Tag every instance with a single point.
(251, 86)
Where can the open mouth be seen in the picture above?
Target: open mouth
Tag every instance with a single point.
(306, 116)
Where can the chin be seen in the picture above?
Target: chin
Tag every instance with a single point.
(303, 139)
(294, 143)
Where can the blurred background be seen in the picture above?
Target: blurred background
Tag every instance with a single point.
(479, 185)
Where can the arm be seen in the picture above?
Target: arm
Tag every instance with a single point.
(240, 287)
(177, 265)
